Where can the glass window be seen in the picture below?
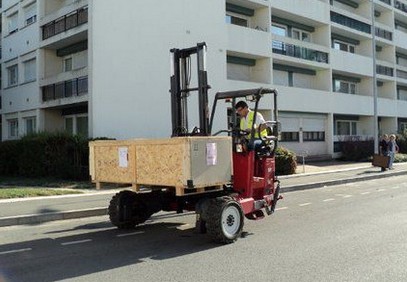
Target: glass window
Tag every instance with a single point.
(313, 136)
(346, 128)
(12, 73)
(68, 64)
(236, 19)
(296, 34)
(344, 86)
(12, 23)
(279, 30)
(30, 14)
(82, 125)
(290, 136)
(30, 125)
(30, 70)
(69, 125)
(13, 128)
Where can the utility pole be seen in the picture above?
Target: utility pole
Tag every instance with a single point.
(375, 115)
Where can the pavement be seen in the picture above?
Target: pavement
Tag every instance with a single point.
(95, 202)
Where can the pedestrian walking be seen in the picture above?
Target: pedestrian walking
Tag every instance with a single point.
(393, 149)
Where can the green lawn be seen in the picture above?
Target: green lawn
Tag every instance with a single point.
(19, 187)
(9, 193)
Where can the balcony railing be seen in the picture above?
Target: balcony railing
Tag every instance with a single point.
(65, 89)
(388, 2)
(384, 70)
(400, 6)
(349, 22)
(64, 23)
(384, 34)
(401, 74)
(291, 50)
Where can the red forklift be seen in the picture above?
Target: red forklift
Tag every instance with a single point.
(253, 190)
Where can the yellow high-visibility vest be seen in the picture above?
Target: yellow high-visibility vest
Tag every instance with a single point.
(249, 118)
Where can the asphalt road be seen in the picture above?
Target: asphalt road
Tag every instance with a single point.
(352, 232)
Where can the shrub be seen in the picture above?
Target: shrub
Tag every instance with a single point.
(286, 161)
(402, 142)
(354, 149)
(400, 158)
(46, 155)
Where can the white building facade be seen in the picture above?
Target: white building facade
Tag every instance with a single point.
(102, 69)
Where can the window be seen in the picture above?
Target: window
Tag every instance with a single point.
(30, 71)
(77, 124)
(237, 19)
(12, 23)
(340, 45)
(30, 14)
(403, 127)
(68, 64)
(69, 125)
(346, 128)
(12, 128)
(30, 125)
(12, 73)
(313, 136)
(290, 136)
(344, 86)
(402, 94)
(300, 35)
(279, 30)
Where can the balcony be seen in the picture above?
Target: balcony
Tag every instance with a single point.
(388, 2)
(65, 23)
(383, 70)
(65, 89)
(351, 23)
(382, 33)
(241, 38)
(351, 63)
(400, 6)
(295, 51)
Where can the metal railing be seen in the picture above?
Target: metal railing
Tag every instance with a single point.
(401, 6)
(384, 34)
(349, 22)
(401, 74)
(65, 89)
(64, 23)
(291, 50)
(386, 1)
(384, 70)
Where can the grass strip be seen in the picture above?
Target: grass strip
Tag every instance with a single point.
(9, 193)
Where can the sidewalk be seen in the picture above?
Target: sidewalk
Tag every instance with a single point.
(94, 203)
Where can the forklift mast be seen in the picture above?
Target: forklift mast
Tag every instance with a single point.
(181, 89)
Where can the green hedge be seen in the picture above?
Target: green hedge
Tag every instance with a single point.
(46, 155)
(286, 161)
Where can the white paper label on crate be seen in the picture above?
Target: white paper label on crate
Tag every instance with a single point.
(123, 157)
(211, 154)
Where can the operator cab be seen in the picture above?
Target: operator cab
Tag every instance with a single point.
(263, 145)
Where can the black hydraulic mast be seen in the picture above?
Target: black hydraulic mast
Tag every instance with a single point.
(180, 89)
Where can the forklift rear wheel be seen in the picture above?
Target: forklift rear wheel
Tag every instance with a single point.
(126, 210)
(225, 220)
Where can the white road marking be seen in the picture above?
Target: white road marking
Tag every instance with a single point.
(381, 190)
(396, 187)
(130, 234)
(364, 193)
(179, 226)
(282, 208)
(328, 200)
(347, 196)
(76, 242)
(304, 204)
(15, 251)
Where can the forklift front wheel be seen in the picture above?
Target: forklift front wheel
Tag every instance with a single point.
(225, 220)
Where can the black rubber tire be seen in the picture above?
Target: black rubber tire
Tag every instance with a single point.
(127, 209)
(224, 220)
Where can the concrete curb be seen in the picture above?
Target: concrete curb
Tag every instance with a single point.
(321, 184)
(39, 218)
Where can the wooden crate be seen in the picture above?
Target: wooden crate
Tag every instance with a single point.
(181, 163)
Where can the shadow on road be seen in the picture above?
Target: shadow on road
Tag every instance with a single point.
(67, 258)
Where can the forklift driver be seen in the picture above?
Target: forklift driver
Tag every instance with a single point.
(246, 122)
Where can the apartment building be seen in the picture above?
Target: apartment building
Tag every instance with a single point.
(102, 69)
